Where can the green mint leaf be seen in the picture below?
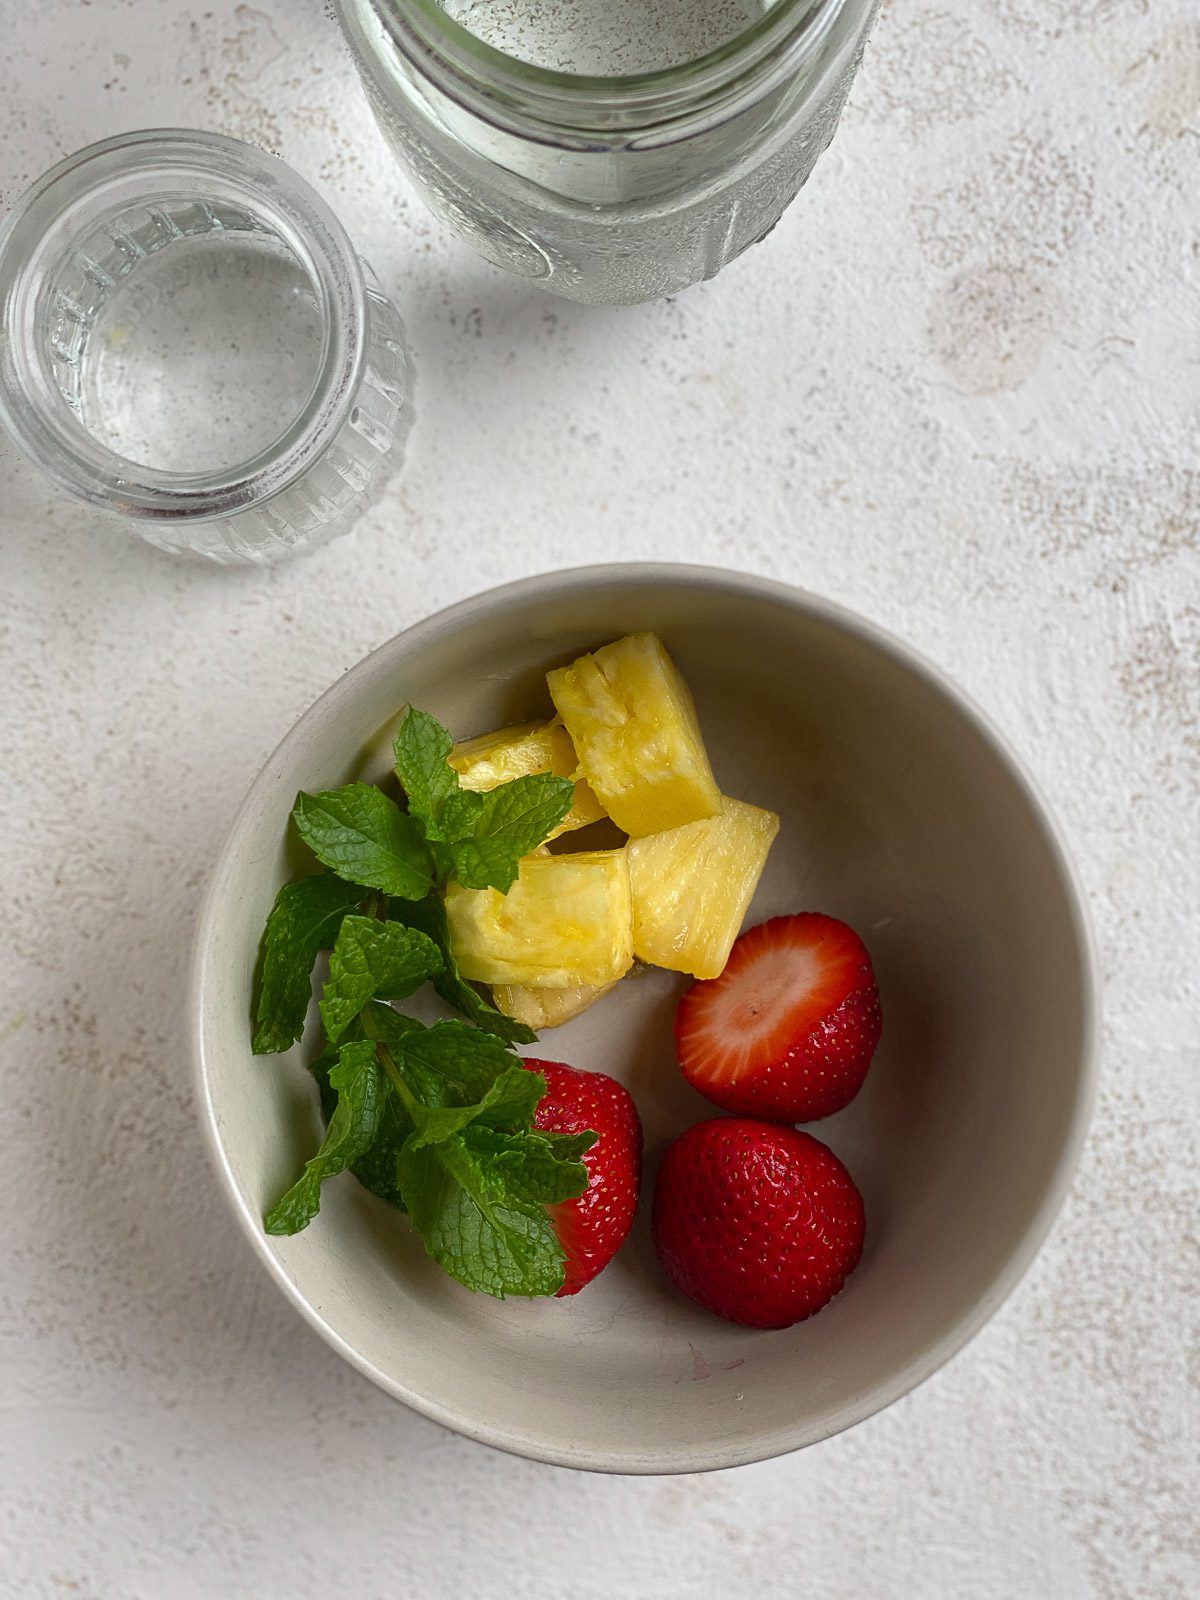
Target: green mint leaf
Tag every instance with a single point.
(456, 1075)
(429, 915)
(452, 1064)
(304, 920)
(479, 838)
(434, 1124)
(373, 960)
(421, 750)
(461, 814)
(389, 1026)
(375, 1169)
(450, 1142)
(534, 1168)
(320, 1069)
(470, 1226)
(511, 1100)
(359, 1085)
(513, 819)
(569, 1146)
(361, 835)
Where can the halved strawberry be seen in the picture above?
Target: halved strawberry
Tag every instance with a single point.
(593, 1228)
(788, 1030)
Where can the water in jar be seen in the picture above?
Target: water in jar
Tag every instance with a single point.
(188, 339)
(606, 38)
(615, 199)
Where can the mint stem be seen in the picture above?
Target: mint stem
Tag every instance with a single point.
(387, 1061)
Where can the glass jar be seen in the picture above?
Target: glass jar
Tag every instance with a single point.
(189, 344)
(610, 190)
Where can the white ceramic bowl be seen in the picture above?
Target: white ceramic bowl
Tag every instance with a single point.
(903, 814)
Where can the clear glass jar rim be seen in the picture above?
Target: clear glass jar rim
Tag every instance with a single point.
(33, 409)
(578, 103)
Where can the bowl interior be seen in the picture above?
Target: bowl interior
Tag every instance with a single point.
(899, 815)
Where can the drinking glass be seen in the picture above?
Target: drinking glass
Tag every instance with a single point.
(189, 343)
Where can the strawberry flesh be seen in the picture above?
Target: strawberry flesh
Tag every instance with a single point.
(788, 1030)
(758, 1223)
(592, 1228)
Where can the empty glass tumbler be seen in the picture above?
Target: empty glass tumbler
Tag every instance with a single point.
(617, 150)
(189, 343)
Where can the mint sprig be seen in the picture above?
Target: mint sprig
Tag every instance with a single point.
(477, 838)
(360, 1088)
(421, 751)
(508, 823)
(447, 831)
(304, 920)
(429, 915)
(469, 1227)
(373, 960)
(435, 1120)
(375, 1169)
(364, 837)
(461, 1172)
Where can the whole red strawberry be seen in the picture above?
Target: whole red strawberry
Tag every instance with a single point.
(593, 1228)
(789, 1028)
(759, 1223)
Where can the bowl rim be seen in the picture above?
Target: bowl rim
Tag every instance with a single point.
(718, 1454)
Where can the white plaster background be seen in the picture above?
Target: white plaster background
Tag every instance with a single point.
(958, 389)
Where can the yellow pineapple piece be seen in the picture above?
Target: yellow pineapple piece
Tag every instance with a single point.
(567, 920)
(634, 726)
(546, 1008)
(495, 758)
(692, 887)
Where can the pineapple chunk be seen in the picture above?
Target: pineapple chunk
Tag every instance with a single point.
(494, 758)
(634, 726)
(692, 887)
(546, 1008)
(567, 920)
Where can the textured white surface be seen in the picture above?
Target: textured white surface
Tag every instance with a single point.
(958, 389)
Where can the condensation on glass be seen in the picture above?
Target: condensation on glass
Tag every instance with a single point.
(609, 183)
(189, 343)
